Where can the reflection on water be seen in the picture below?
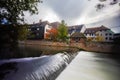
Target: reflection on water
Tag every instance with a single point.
(36, 51)
(91, 66)
(85, 66)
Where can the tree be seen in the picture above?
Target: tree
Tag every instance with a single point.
(99, 38)
(23, 32)
(62, 31)
(13, 10)
(102, 4)
(90, 39)
(11, 18)
(52, 34)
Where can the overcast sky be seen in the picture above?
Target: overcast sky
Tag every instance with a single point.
(76, 12)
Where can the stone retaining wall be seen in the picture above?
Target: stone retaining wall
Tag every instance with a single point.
(89, 46)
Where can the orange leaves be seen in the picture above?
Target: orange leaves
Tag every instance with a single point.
(52, 34)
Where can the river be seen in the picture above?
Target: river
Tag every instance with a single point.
(83, 66)
(91, 66)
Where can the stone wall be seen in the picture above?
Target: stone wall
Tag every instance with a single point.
(89, 46)
(98, 47)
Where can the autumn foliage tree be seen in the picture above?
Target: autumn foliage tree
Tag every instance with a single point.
(99, 38)
(52, 34)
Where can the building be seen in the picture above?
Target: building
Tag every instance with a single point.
(76, 28)
(38, 30)
(77, 37)
(117, 38)
(117, 35)
(102, 32)
(55, 24)
(107, 35)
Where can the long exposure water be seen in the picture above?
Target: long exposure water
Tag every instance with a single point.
(91, 66)
(37, 68)
(84, 66)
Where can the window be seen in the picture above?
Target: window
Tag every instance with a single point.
(106, 34)
(92, 34)
(106, 38)
(110, 38)
(37, 28)
(110, 34)
(37, 34)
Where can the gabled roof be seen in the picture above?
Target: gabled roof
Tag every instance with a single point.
(55, 24)
(44, 23)
(77, 34)
(95, 29)
(76, 28)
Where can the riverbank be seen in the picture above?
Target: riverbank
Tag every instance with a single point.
(88, 46)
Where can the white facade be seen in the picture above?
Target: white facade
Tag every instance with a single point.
(90, 35)
(46, 29)
(107, 35)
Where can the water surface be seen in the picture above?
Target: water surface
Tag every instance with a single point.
(91, 66)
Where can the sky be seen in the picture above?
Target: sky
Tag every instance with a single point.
(76, 12)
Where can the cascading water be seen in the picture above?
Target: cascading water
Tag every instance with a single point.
(91, 66)
(38, 68)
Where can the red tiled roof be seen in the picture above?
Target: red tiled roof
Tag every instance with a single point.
(95, 29)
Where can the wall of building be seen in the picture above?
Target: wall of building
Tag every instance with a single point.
(107, 35)
(46, 30)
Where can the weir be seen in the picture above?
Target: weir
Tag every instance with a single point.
(38, 68)
(85, 66)
(91, 66)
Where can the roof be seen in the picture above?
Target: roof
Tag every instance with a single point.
(95, 29)
(77, 34)
(39, 24)
(117, 34)
(55, 24)
(110, 31)
(76, 28)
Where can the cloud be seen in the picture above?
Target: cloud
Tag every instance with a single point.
(45, 13)
(68, 10)
(74, 12)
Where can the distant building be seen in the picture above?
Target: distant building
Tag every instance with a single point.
(55, 24)
(117, 35)
(76, 28)
(105, 33)
(77, 37)
(38, 30)
(117, 38)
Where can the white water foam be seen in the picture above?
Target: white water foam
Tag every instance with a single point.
(91, 66)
